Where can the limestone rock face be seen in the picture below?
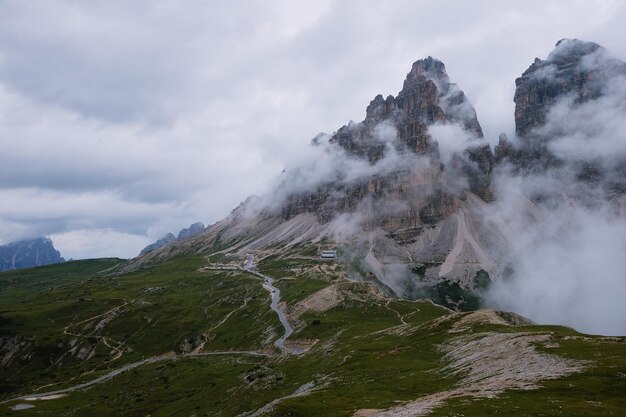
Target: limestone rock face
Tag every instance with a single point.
(504, 150)
(567, 70)
(193, 230)
(164, 241)
(401, 124)
(28, 254)
(578, 71)
(478, 172)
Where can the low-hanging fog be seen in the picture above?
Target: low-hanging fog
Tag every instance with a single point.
(568, 269)
(569, 255)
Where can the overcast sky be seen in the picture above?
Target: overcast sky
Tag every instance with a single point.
(121, 121)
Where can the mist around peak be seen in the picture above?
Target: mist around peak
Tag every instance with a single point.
(566, 211)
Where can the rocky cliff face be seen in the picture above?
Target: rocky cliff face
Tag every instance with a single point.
(164, 241)
(566, 110)
(193, 230)
(28, 254)
(422, 182)
(563, 72)
(574, 74)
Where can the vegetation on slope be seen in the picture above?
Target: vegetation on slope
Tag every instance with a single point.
(364, 351)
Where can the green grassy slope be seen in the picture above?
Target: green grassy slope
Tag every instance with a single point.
(367, 352)
(143, 314)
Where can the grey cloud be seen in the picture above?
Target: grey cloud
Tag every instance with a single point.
(567, 254)
(567, 267)
(592, 131)
(120, 62)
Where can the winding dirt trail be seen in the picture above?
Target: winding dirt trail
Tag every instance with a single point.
(268, 284)
(207, 334)
(250, 267)
(396, 312)
(107, 316)
(159, 358)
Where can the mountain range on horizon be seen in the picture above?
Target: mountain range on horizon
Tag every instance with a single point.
(28, 254)
(193, 230)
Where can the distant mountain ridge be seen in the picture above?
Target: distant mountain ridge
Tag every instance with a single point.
(193, 230)
(28, 254)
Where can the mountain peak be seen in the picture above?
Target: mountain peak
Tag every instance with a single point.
(577, 68)
(424, 71)
(401, 127)
(29, 253)
(193, 230)
(572, 48)
(568, 55)
(164, 241)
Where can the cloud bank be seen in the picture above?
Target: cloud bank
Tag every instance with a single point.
(567, 254)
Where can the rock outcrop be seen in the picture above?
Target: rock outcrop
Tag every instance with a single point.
(164, 241)
(570, 69)
(574, 73)
(28, 254)
(504, 150)
(426, 189)
(193, 230)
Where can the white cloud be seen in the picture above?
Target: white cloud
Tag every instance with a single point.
(567, 256)
(82, 244)
(451, 138)
(593, 131)
(569, 270)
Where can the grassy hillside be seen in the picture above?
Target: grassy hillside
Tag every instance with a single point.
(210, 333)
